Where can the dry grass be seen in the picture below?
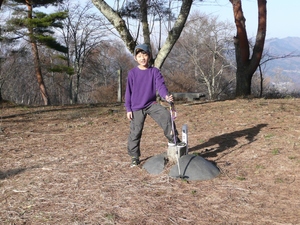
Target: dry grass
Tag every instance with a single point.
(69, 165)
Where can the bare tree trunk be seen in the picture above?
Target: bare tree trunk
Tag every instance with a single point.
(174, 33)
(117, 21)
(71, 89)
(1, 98)
(261, 81)
(38, 73)
(1, 1)
(36, 57)
(1, 82)
(145, 26)
(246, 66)
(120, 25)
(76, 91)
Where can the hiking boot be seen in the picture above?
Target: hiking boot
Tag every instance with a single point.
(134, 162)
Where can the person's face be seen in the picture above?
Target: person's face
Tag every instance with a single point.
(143, 59)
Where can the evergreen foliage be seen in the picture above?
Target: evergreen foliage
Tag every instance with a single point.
(42, 26)
(37, 28)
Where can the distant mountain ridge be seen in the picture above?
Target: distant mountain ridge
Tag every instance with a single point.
(285, 69)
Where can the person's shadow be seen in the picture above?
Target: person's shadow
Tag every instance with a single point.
(226, 141)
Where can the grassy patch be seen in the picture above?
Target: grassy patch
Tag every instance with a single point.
(111, 217)
(292, 157)
(194, 192)
(268, 136)
(279, 181)
(275, 151)
(240, 178)
(258, 167)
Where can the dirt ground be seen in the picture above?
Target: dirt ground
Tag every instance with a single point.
(69, 165)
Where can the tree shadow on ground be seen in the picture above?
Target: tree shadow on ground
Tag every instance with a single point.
(11, 173)
(46, 109)
(226, 141)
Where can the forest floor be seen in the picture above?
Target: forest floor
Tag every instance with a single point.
(69, 165)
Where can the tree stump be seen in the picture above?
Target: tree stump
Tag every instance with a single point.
(175, 152)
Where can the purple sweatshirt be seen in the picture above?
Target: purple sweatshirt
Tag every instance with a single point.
(142, 86)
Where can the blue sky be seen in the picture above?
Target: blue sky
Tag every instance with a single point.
(282, 16)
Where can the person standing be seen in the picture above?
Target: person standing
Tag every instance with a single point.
(143, 82)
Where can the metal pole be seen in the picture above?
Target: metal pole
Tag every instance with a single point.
(120, 85)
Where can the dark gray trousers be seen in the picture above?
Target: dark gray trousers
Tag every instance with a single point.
(161, 116)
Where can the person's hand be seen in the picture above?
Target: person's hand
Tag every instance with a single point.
(129, 115)
(169, 98)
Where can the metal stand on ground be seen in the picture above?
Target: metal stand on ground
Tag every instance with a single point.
(185, 137)
(178, 164)
(189, 166)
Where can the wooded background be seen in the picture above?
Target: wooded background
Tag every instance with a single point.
(66, 52)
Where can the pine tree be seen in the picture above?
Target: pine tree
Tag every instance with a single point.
(37, 28)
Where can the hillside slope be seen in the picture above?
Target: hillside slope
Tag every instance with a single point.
(285, 69)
